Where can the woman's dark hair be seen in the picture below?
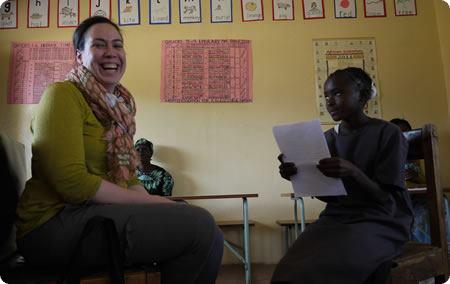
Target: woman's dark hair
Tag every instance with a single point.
(401, 122)
(78, 35)
(359, 77)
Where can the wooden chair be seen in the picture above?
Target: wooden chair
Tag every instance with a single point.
(13, 268)
(420, 261)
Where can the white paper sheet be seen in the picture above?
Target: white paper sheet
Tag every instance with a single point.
(304, 145)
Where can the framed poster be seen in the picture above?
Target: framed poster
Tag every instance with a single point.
(374, 8)
(283, 10)
(160, 12)
(100, 8)
(405, 7)
(313, 9)
(190, 11)
(38, 14)
(68, 13)
(221, 11)
(129, 12)
(333, 54)
(8, 15)
(344, 9)
(252, 10)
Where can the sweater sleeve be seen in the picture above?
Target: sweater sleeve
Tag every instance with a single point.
(58, 146)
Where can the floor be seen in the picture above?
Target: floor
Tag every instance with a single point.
(234, 274)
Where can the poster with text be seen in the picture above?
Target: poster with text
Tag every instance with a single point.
(221, 11)
(333, 54)
(190, 11)
(374, 8)
(313, 9)
(344, 9)
(129, 12)
(160, 12)
(38, 14)
(252, 10)
(35, 65)
(68, 13)
(206, 71)
(8, 15)
(100, 8)
(405, 7)
(283, 10)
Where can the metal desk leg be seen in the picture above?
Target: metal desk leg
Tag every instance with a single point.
(247, 264)
(302, 220)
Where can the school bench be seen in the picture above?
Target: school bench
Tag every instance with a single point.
(243, 254)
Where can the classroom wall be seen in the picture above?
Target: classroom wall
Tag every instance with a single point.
(229, 148)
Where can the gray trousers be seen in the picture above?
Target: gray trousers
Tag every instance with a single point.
(183, 239)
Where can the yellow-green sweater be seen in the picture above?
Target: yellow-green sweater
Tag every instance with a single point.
(69, 157)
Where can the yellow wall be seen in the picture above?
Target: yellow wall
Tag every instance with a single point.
(229, 148)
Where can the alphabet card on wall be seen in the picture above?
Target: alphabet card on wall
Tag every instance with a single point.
(8, 15)
(313, 9)
(68, 13)
(333, 54)
(221, 11)
(129, 12)
(283, 10)
(405, 7)
(374, 8)
(252, 10)
(38, 14)
(190, 11)
(100, 8)
(160, 12)
(344, 9)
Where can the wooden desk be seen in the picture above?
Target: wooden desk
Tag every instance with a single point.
(288, 234)
(246, 250)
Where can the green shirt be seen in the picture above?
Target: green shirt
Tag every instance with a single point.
(69, 157)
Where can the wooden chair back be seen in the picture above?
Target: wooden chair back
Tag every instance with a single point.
(420, 261)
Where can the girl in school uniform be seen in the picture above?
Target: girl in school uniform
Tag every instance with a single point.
(356, 235)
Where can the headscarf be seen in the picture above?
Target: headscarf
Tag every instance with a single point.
(116, 112)
(145, 142)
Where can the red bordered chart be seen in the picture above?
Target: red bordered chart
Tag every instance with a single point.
(8, 15)
(313, 9)
(100, 8)
(283, 10)
(68, 13)
(405, 7)
(252, 10)
(38, 14)
(374, 8)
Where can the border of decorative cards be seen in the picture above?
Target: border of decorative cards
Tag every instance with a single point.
(374, 8)
(129, 12)
(344, 9)
(100, 8)
(190, 11)
(313, 9)
(252, 10)
(283, 10)
(160, 12)
(8, 15)
(405, 7)
(68, 13)
(38, 14)
(221, 11)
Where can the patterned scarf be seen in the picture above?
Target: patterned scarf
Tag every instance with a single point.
(116, 113)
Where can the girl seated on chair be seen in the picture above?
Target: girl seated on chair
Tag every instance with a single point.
(358, 234)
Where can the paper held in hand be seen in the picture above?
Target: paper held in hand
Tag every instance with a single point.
(304, 145)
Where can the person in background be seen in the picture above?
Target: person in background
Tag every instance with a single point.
(357, 235)
(155, 179)
(83, 167)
